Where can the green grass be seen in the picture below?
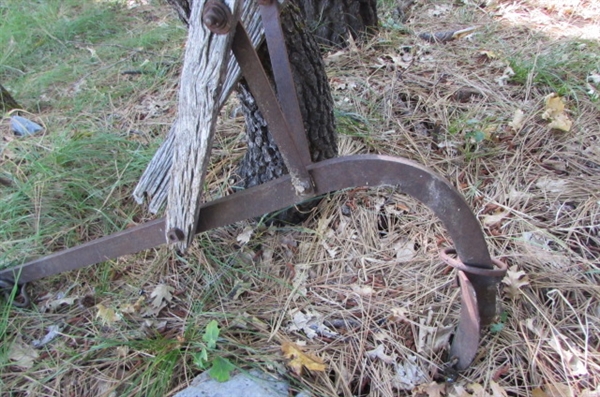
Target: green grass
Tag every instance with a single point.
(79, 51)
(66, 186)
(562, 67)
(64, 60)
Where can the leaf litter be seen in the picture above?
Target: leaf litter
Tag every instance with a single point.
(299, 360)
(505, 167)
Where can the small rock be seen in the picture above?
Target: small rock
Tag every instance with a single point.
(253, 384)
(22, 126)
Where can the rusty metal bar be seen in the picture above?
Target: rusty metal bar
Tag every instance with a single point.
(466, 338)
(270, 108)
(148, 235)
(284, 78)
(330, 175)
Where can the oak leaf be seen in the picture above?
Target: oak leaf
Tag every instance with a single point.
(161, 293)
(107, 315)
(244, 237)
(514, 280)
(22, 354)
(432, 389)
(299, 359)
(379, 352)
(555, 112)
(518, 120)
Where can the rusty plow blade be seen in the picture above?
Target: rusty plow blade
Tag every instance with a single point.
(477, 276)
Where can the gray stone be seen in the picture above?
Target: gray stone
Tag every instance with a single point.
(22, 126)
(251, 384)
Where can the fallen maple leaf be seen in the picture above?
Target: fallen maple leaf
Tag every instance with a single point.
(514, 281)
(300, 359)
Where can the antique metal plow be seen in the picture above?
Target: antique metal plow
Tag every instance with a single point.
(478, 274)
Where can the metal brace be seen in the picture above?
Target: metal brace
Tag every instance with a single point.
(477, 277)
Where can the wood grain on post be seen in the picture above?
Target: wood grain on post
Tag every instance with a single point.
(155, 181)
(204, 67)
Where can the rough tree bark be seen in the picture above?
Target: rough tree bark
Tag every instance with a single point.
(333, 20)
(330, 21)
(262, 161)
(7, 102)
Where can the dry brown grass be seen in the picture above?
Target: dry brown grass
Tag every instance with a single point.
(366, 265)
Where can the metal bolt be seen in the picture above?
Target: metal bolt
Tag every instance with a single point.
(175, 235)
(217, 17)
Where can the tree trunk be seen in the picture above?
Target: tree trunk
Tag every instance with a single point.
(7, 102)
(263, 161)
(183, 9)
(331, 21)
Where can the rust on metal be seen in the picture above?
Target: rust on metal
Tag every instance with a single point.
(269, 106)
(330, 175)
(130, 241)
(217, 17)
(476, 273)
(466, 339)
(284, 78)
(456, 263)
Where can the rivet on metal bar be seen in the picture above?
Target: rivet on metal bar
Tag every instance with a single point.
(457, 263)
(217, 17)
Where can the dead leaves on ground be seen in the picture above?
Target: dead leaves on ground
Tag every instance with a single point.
(477, 390)
(299, 359)
(162, 295)
(556, 114)
(107, 315)
(514, 280)
(21, 354)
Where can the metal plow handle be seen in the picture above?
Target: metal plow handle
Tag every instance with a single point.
(479, 287)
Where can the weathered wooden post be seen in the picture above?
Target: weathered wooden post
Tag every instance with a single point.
(204, 68)
(155, 183)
